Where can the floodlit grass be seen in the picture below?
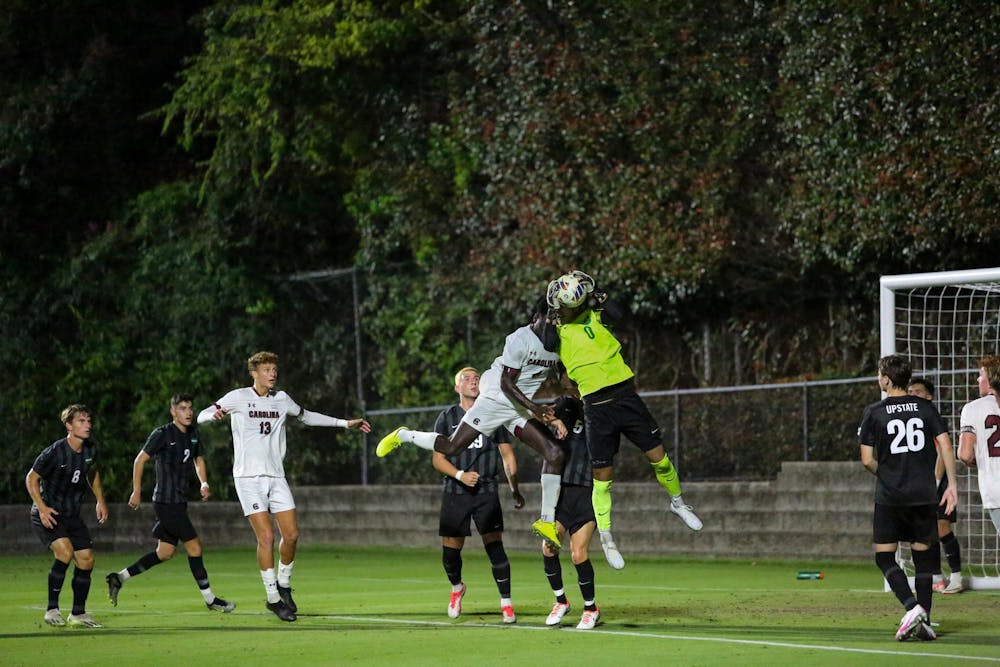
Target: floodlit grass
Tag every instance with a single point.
(387, 607)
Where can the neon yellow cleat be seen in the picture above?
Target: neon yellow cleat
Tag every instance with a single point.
(547, 531)
(389, 443)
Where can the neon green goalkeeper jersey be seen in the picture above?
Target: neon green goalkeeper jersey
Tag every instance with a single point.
(591, 354)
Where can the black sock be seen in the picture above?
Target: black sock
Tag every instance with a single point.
(452, 560)
(953, 551)
(585, 575)
(501, 567)
(57, 576)
(144, 563)
(553, 570)
(81, 588)
(198, 571)
(923, 580)
(896, 578)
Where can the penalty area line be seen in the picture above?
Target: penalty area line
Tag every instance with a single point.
(657, 635)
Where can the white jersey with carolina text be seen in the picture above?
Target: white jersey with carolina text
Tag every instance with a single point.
(522, 350)
(258, 425)
(982, 417)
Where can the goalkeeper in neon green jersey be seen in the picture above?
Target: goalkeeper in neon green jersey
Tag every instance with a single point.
(612, 408)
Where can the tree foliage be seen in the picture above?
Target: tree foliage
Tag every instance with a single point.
(178, 180)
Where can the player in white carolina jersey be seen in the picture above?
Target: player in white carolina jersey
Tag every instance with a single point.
(979, 442)
(505, 400)
(257, 417)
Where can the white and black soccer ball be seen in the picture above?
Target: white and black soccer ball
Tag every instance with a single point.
(567, 290)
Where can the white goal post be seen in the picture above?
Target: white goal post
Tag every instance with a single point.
(944, 323)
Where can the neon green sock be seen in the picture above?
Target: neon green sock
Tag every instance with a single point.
(666, 475)
(600, 497)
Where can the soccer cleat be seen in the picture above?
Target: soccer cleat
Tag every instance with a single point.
(548, 532)
(54, 617)
(910, 621)
(508, 614)
(925, 632)
(218, 604)
(955, 584)
(455, 603)
(389, 443)
(589, 619)
(686, 513)
(611, 553)
(286, 597)
(559, 610)
(282, 611)
(114, 585)
(940, 586)
(83, 620)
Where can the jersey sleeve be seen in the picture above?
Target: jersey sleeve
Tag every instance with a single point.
(154, 443)
(441, 424)
(515, 352)
(866, 432)
(44, 462)
(966, 419)
(291, 407)
(939, 424)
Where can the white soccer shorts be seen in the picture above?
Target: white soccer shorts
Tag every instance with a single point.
(264, 494)
(487, 415)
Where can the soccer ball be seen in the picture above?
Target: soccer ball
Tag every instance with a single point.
(567, 290)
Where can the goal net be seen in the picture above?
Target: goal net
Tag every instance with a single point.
(944, 323)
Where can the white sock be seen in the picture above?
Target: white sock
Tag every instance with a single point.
(270, 585)
(422, 439)
(505, 602)
(285, 574)
(124, 575)
(456, 588)
(550, 496)
(207, 594)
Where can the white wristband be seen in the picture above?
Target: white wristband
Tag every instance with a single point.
(458, 475)
(204, 485)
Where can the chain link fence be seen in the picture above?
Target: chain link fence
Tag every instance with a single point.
(720, 433)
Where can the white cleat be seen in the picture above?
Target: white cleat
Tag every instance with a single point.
(955, 584)
(589, 619)
(556, 615)
(54, 617)
(910, 622)
(686, 513)
(83, 620)
(611, 553)
(455, 603)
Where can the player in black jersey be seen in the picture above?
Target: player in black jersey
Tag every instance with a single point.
(924, 388)
(901, 438)
(56, 483)
(176, 450)
(574, 514)
(471, 492)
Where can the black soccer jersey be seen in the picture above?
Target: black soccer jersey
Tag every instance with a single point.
(64, 475)
(173, 452)
(482, 456)
(577, 471)
(902, 431)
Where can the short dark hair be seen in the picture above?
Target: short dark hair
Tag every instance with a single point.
(897, 369)
(177, 399)
(928, 385)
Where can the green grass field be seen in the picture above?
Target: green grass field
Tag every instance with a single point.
(387, 607)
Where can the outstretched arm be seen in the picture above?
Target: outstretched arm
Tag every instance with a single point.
(318, 419)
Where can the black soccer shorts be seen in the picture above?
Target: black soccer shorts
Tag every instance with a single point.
(912, 523)
(575, 508)
(458, 509)
(71, 527)
(172, 523)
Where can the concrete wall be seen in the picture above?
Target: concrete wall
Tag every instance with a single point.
(812, 510)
